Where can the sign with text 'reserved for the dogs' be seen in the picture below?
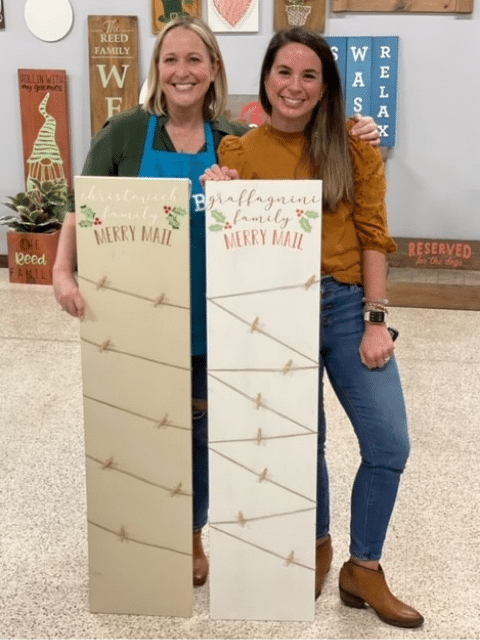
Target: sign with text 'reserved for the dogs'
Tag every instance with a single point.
(45, 125)
(113, 55)
(263, 257)
(134, 274)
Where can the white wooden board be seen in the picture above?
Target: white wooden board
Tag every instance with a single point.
(263, 257)
(134, 273)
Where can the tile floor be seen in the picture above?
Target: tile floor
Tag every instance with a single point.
(432, 556)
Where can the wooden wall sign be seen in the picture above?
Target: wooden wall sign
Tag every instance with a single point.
(2, 16)
(428, 253)
(165, 10)
(263, 243)
(404, 6)
(134, 273)
(300, 13)
(45, 125)
(368, 69)
(114, 76)
(233, 16)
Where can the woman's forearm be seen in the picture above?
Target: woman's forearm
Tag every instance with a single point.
(66, 258)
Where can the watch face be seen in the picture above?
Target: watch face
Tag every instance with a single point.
(377, 316)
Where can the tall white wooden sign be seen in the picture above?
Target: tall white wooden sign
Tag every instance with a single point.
(134, 273)
(263, 249)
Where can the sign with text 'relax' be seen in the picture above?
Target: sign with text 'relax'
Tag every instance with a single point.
(45, 125)
(134, 274)
(263, 249)
(113, 54)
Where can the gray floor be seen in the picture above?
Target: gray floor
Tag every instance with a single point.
(432, 557)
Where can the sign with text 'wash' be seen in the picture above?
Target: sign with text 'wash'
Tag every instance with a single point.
(134, 274)
(368, 68)
(263, 249)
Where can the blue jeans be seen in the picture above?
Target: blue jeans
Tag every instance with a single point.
(199, 444)
(373, 401)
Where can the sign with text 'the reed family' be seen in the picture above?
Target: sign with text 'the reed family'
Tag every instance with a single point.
(134, 274)
(263, 257)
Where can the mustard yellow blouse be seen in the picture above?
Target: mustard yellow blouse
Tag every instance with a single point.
(265, 153)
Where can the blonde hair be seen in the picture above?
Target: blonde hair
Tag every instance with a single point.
(216, 96)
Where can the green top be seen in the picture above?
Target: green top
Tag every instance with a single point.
(117, 149)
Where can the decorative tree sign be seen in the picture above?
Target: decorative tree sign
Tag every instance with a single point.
(165, 10)
(263, 244)
(300, 13)
(114, 81)
(134, 273)
(45, 128)
(404, 6)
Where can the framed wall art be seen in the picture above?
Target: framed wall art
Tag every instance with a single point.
(165, 10)
(233, 16)
(300, 13)
(2, 16)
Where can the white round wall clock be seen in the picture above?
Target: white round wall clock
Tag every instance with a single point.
(49, 20)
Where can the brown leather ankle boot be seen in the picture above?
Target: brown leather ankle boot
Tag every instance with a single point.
(359, 585)
(323, 562)
(200, 561)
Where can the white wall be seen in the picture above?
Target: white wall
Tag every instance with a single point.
(433, 173)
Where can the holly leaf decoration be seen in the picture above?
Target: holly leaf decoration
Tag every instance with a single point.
(216, 227)
(179, 211)
(87, 212)
(173, 222)
(312, 214)
(305, 224)
(218, 216)
(85, 224)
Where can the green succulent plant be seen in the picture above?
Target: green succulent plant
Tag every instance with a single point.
(40, 210)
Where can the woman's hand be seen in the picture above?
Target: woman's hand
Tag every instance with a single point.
(376, 347)
(217, 173)
(366, 129)
(68, 294)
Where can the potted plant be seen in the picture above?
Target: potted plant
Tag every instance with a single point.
(33, 236)
(297, 12)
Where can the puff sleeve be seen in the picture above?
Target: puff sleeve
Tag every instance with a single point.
(231, 154)
(370, 211)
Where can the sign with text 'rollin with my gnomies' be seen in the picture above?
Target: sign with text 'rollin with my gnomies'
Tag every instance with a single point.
(263, 268)
(134, 274)
(113, 54)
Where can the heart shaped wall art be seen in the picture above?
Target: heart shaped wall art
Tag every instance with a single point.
(233, 15)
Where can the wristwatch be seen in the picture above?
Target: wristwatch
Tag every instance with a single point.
(375, 317)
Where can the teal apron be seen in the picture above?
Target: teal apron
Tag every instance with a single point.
(169, 164)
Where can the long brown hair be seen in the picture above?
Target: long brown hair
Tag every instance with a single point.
(327, 149)
(216, 96)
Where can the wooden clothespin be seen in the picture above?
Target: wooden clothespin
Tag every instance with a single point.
(255, 325)
(108, 464)
(105, 345)
(263, 475)
(159, 300)
(177, 490)
(123, 534)
(309, 282)
(163, 421)
(259, 436)
(291, 558)
(101, 282)
(259, 401)
(287, 367)
(241, 519)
